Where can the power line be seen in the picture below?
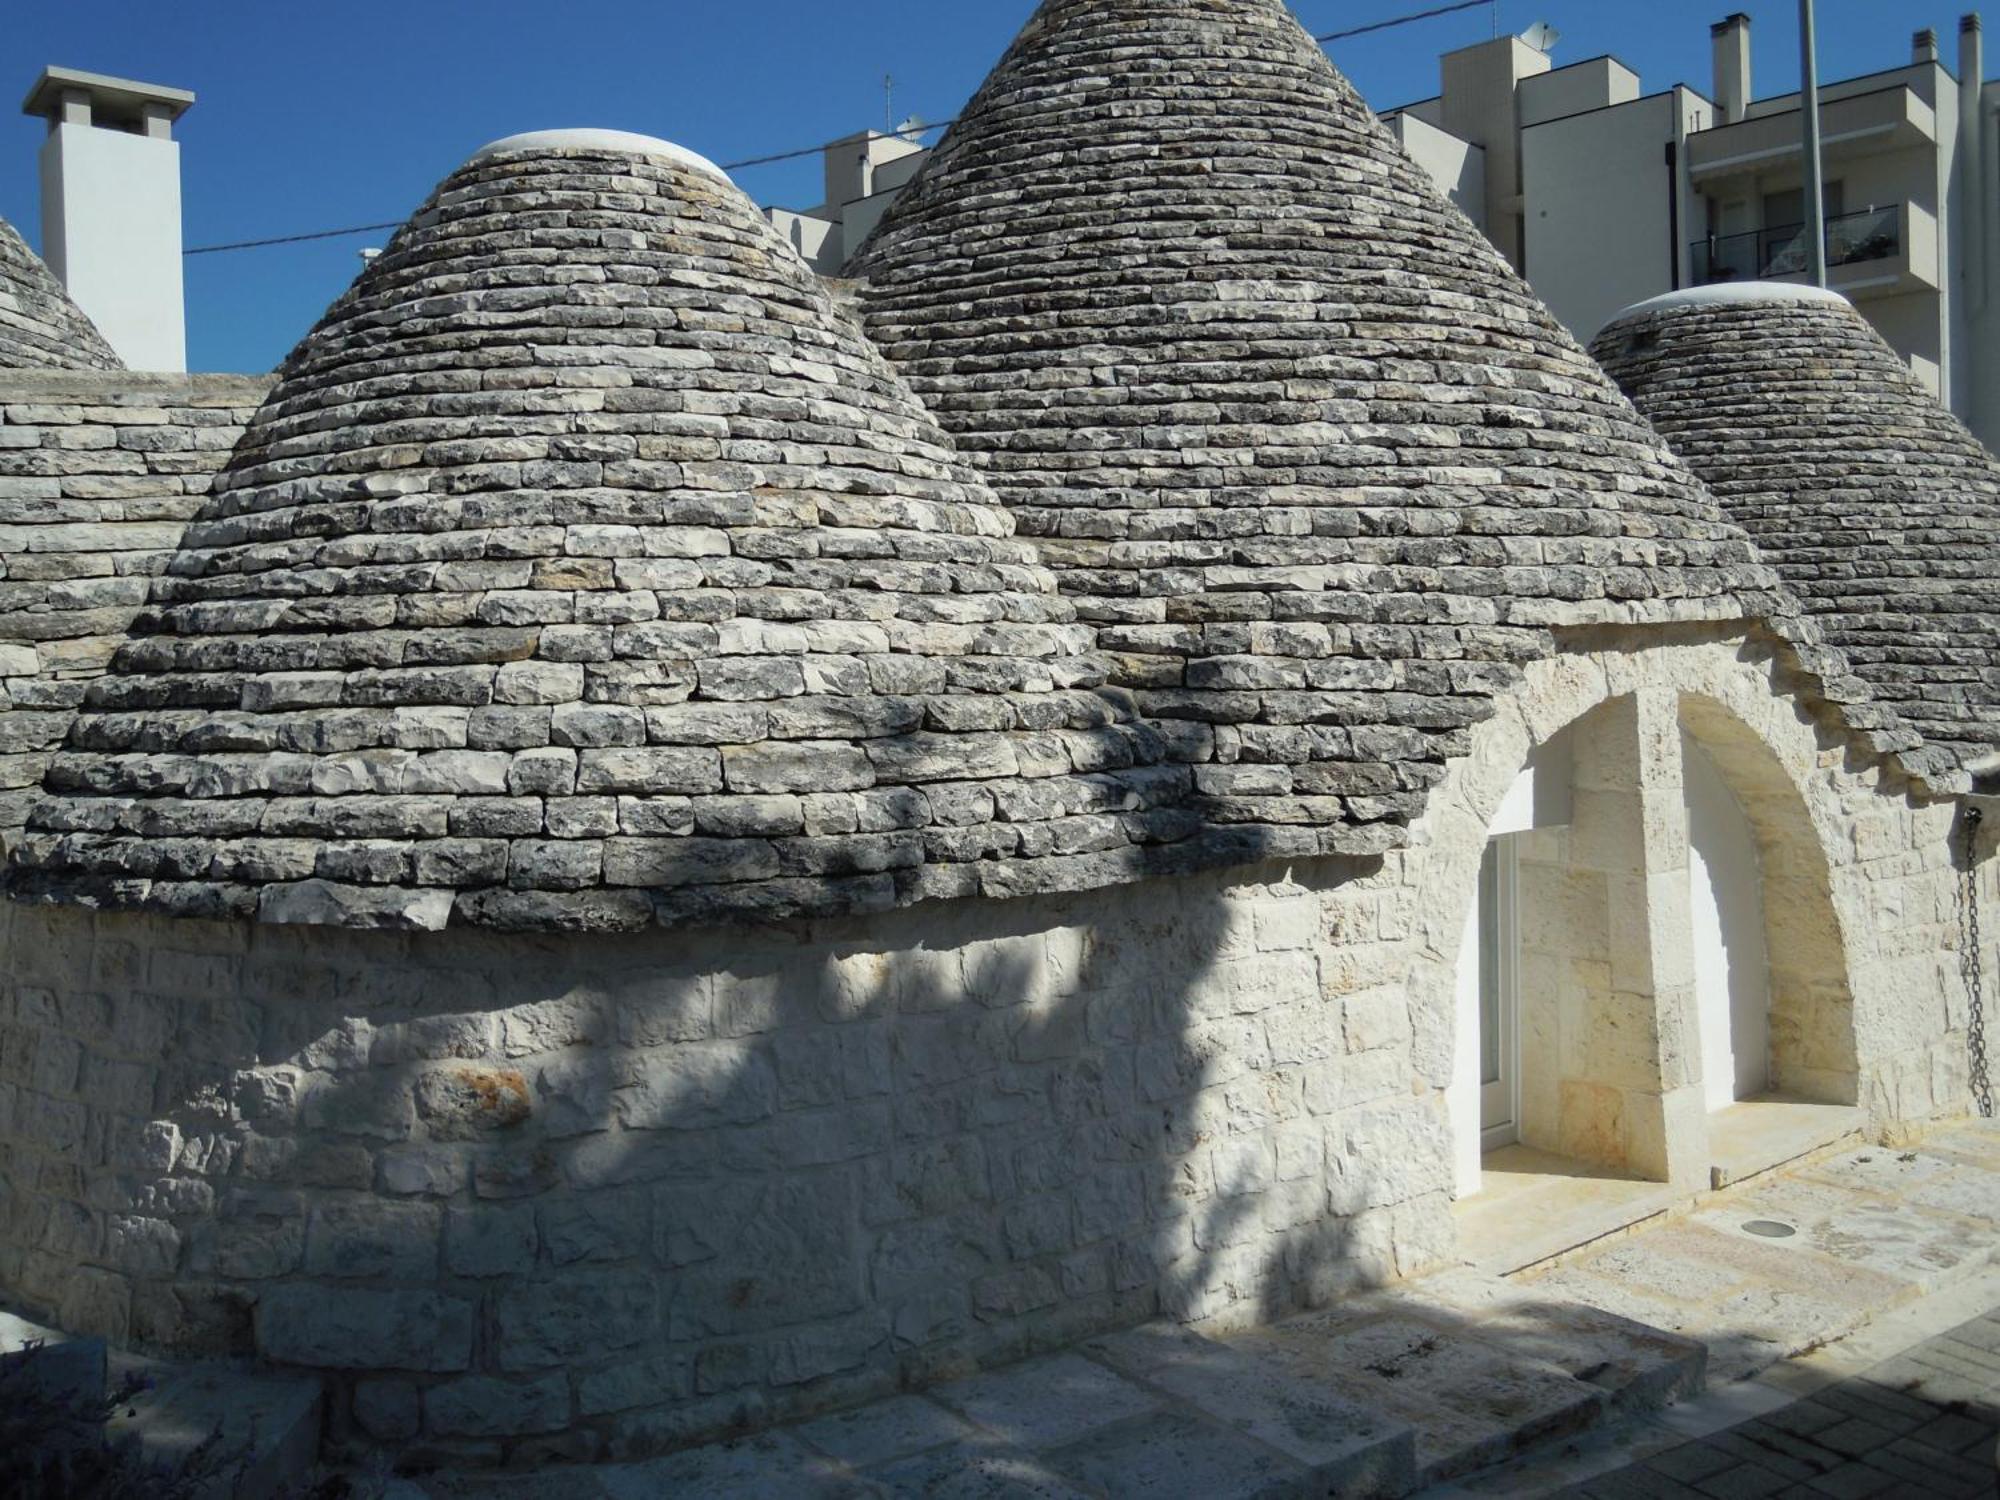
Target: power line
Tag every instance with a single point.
(1422, 15)
(291, 239)
(907, 133)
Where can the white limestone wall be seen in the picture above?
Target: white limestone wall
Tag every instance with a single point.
(595, 1195)
(523, 1196)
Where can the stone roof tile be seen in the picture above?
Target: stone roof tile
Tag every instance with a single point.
(586, 568)
(40, 326)
(1307, 453)
(1878, 508)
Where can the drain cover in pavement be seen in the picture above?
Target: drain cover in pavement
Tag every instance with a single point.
(1769, 1229)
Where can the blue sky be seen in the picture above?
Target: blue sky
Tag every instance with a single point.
(315, 116)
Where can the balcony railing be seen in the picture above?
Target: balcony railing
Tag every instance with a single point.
(1873, 234)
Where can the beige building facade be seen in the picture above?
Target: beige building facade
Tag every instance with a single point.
(1604, 194)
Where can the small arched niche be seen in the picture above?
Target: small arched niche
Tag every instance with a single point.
(1766, 938)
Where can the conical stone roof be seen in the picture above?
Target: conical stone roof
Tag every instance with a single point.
(40, 326)
(1294, 437)
(585, 568)
(1875, 505)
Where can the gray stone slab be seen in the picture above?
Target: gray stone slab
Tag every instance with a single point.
(1046, 1403)
(884, 1430)
(274, 1418)
(1640, 1366)
(1926, 1178)
(1470, 1403)
(772, 1466)
(61, 1366)
(1167, 1456)
(1896, 1240)
(981, 1468)
(1353, 1449)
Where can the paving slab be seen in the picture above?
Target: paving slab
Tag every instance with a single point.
(61, 1367)
(1045, 1403)
(1927, 1178)
(1756, 1135)
(1471, 1403)
(772, 1466)
(980, 1468)
(1349, 1449)
(886, 1430)
(1639, 1366)
(1904, 1241)
(1166, 1456)
(273, 1419)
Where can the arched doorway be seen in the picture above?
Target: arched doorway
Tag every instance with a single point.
(1632, 976)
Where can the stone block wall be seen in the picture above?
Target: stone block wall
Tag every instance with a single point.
(532, 1195)
(99, 474)
(590, 1195)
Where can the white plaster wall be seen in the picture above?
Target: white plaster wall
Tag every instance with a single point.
(1726, 904)
(1458, 167)
(111, 232)
(1598, 220)
(1462, 1101)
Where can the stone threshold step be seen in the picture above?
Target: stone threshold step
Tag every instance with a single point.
(276, 1418)
(1482, 1369)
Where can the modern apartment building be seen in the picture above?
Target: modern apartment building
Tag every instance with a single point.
(1603, 194)
(864, 175)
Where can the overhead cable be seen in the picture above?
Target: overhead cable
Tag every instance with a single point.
(1422, 15)
(907, 133)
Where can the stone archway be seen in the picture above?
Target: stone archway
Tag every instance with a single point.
(1616, 1041)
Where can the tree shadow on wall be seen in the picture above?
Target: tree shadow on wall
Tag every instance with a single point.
(524, 1199)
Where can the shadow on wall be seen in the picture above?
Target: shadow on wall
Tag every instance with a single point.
(532, 1197)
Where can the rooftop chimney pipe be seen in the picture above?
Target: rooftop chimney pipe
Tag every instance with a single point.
(111, 208)
(1924, 47)
(1731, 36)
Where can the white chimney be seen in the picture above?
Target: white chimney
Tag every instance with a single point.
(111, 208)
(1924, 47)
(1731, 37)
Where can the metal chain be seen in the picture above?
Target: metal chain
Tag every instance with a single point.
(1971, 965)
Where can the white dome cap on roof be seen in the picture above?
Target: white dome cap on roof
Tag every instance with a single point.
(1730, 294)
(590, 139)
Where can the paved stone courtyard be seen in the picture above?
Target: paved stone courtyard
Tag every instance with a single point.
(1923, 1423)
(1859, 1356)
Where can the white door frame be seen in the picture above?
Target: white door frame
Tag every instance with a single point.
(1500, 994)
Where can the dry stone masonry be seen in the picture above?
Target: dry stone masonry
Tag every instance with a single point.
(1313, 460)
(585, 567)
(514, 926)
(40, 327)
(99, 473)
(1878, 508)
